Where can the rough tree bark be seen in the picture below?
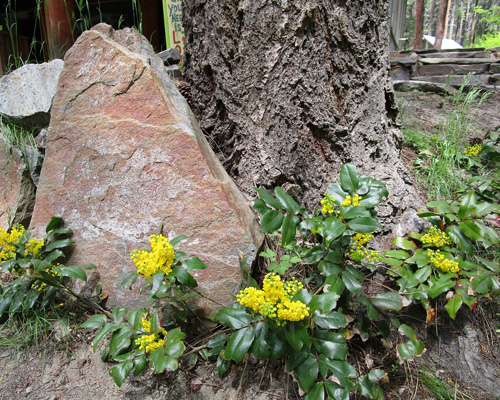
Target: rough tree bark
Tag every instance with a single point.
(431, 17)
(290, 90)
(419, 24)
(441, 22)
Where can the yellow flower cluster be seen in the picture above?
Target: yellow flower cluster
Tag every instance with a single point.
(327, 202)
(152, 341)
(473, 151)
(444, 264)
(359, 251)
(274, 300)
(33, 247)
(436, 237)
(352, 201)
(7, 241)
(160, 257)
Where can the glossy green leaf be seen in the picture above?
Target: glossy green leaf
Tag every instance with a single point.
(324, 302)
(404, 244)
(349, 178)
(177, 240)
(239, 343)
(260, 347)
(333, 228)
(336, 192)
(158, 360)
(277, 343)
(333, 284)
(271, 221)
(316, 392)
(411, 349)
(354, 212)
(107, 328)
(289, 229)
(482, 283)
(491, 265)
(182, 276)
(222, 365)
(71, 272)
(120, 341)
(193, 263)
(120, 372)
(470, 229)
(54, 255)
(140, 364)
(441, 206)
(134, 318)
(175, 348)
(307, 373)
(296, 358)
(467, 205)
(351, 283)
(233, 318)
(260, 206)
(287, 201)
(453, 305)
(331, 344)
(422, 274)
(398, 254)
(329, 320)
(439, 286)
(268, 198)
(54, 223)
(217, 340)
(340, 369)
(59, 244)
(407, 331)
(96, 321)
(363, 224)
(387, 301)
(336, 391)
(369, 389)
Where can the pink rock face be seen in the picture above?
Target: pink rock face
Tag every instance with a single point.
(124, 156)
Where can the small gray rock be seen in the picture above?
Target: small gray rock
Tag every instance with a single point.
(170, 56)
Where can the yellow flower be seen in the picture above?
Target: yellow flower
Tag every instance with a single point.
(274, 300)
(473, 151)
(161, 257)
(352, 201)
(327, 202)
(436, 237)
(359, 251)
(33, 247)
(7, 241)
(444, 264)
(152, 341)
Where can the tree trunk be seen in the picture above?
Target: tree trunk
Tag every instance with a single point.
(419, 24)
(447, 19)
(452, 21)
(288, 91)
(473, 28)
(431, 17)
(443, 8)
(460, 30)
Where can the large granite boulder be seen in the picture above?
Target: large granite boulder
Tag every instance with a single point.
(17, 197)
(124, 156)
(26, 94)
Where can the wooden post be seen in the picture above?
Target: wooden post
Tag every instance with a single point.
(59, 24)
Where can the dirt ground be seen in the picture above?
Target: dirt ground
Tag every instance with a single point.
(67, 369)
